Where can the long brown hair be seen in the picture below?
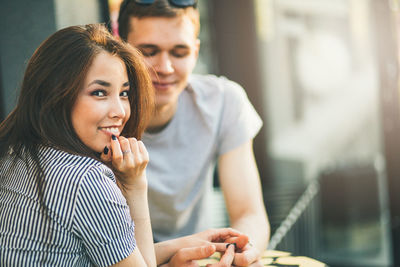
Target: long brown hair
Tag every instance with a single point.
(53, 78)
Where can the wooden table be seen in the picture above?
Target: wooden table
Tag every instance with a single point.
(274, 258)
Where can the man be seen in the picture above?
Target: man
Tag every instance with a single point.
(200, 120)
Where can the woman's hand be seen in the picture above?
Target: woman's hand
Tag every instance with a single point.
(129, 159)
(218, 237)
(198, 246)
(186, 250)
(186, 257)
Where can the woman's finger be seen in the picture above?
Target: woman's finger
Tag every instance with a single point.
(227, 258)
(135, 150)
(185, 255)
(116, 151)
(220, 235)
(241, 241)
(106, 154)
(143, 151)
(220, 247)
(127, 153)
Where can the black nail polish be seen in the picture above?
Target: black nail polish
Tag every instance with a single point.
(105, 150)
(113, 137)
(227, 245)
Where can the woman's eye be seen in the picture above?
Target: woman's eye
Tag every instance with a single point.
(125, 93)
(99, 93)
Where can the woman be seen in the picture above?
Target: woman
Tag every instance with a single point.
(60, 204)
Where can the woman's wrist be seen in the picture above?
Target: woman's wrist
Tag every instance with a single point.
(165, 250)
(135, 186)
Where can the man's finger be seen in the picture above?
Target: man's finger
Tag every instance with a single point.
(246, 257)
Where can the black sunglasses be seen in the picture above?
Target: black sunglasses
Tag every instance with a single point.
(177, 3)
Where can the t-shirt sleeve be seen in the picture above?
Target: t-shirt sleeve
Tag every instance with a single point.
(240, 121)
(102, 219)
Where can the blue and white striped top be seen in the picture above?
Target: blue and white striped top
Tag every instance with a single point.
(89, 223)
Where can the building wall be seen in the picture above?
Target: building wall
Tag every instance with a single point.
(24, 25)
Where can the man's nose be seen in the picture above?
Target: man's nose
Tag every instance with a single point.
(164, 64)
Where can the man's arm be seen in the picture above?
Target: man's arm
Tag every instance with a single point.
(240, 183)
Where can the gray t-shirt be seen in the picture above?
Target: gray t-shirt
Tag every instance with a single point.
(213, 117)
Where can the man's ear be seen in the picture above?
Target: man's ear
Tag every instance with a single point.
(197, 47)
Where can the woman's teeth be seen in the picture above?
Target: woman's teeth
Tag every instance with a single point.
(112, 130)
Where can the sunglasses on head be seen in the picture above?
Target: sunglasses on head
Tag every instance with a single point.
(177, 3)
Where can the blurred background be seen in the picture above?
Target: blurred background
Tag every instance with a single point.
(323, 75)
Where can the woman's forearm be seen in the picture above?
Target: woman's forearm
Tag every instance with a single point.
(139, 209)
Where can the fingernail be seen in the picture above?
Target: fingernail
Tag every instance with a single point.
(227, 245)
(105, 150)
(113, 137)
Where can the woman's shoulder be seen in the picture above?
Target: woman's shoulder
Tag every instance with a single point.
(59, 162)
(53, 156)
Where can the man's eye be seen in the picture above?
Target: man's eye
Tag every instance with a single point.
(148, 52)
(180, 52)
(99, 93)
(125, 93)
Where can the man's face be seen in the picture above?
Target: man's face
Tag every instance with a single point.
(170, 48)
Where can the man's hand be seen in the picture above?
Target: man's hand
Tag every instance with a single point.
(246, 254)
(240, 181)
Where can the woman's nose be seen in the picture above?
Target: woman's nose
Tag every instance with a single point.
(117, 109)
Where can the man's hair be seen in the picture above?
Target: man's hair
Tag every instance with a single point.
(160, 8)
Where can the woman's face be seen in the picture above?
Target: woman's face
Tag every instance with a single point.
(102, 107)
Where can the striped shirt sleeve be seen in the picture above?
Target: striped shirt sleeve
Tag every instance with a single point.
(102, 219)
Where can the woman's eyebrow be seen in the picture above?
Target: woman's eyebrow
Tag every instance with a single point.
(107, 84)
(101, 82)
